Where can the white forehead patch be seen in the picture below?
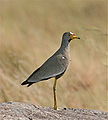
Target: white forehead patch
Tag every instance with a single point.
(71, 33)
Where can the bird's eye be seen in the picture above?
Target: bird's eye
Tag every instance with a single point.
(70, 34)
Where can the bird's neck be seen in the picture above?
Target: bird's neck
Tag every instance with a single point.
(65, 42)
(64, 47)
(65, 51)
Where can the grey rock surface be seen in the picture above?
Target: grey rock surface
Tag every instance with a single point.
(24, 111)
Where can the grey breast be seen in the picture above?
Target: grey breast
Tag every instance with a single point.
(55, 65)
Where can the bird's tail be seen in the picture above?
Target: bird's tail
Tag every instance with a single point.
(27, 83)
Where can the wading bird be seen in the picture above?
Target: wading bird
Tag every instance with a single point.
(55, 66)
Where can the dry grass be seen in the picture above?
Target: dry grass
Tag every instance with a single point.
(30, 31)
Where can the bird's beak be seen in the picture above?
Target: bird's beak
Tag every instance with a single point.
(74, 37)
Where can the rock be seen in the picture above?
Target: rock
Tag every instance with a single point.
(24, 111)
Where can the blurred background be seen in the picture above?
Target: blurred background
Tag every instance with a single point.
(31, 31)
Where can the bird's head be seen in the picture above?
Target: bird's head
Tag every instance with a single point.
(70, 36)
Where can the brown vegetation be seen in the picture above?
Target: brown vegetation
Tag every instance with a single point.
(31, 30)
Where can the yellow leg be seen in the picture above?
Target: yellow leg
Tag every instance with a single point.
(54, 91)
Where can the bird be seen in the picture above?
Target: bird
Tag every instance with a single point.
(55, 66)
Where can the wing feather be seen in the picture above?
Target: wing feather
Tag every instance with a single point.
(53, 67)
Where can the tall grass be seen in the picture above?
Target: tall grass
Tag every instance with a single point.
(31, 30)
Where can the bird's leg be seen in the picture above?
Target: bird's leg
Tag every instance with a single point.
(54, 91)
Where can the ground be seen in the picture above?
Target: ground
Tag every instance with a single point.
(24, 111)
